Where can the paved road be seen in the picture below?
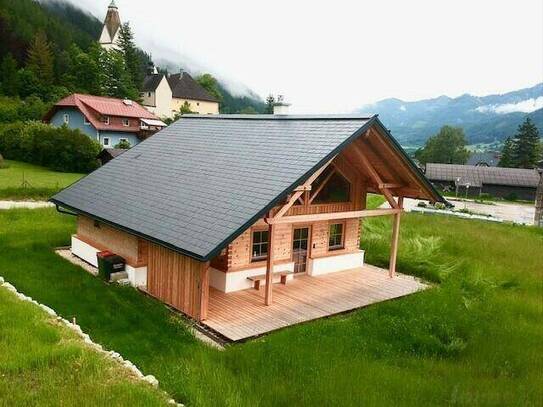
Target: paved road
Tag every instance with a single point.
(24, 204)
(506, 211)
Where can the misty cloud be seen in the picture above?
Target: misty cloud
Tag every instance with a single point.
(525, 106)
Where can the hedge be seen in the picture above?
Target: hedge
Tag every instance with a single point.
(57, 148)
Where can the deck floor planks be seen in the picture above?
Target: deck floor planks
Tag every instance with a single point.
(242, 314)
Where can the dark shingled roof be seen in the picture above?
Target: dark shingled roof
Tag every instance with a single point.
(151, 82)
(477, 176)
(199, 183)
(184, 87)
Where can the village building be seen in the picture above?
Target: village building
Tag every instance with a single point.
(106, 120)
(230, 205)
(470, 180)
(164, 95)
(109, 38)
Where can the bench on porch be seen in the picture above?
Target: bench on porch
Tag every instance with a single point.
(257, 279)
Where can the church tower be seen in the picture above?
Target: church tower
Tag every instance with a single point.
(112, 27)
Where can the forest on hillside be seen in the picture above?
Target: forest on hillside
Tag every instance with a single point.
(49, 50)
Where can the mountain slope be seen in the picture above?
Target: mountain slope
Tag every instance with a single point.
(484, 119)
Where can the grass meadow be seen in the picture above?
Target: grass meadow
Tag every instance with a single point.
(20, 180)
(474, 338)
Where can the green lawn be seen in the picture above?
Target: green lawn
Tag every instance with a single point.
(473, 339)
(44, 363)
(26, 181)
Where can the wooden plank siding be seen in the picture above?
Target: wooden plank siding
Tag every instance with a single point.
(105, 237)
(178, 280)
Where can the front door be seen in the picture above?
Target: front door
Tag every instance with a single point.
(300, 243)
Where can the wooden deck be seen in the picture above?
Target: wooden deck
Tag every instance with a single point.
(242, 314)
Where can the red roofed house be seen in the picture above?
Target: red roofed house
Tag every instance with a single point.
(106, 120)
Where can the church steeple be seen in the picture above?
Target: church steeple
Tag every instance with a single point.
(112, 25)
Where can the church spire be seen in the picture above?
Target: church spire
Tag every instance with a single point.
(112, 25)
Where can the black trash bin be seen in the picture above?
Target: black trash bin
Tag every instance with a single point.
(109, 263)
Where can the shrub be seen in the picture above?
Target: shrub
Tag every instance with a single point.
(485, 197)
(511, 197)
(439, 205)
(57, 148)
(124, 144)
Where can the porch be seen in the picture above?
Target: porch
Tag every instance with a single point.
(243, 314)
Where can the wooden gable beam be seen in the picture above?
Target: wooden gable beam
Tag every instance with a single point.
(405, 166)
(317, 217)
(374, 175)
(296, 195)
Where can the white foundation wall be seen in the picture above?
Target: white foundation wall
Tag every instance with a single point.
(136, 275)
(342, 262)
(84, 251)
(237, 280)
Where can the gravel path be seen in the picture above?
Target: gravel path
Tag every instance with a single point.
(505, 211)
(25, 204)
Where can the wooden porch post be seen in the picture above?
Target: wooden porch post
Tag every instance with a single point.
(269, 266)
(395, 237)
(204, 290)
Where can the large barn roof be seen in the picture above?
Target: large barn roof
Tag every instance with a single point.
(198, 184)
(477, 176)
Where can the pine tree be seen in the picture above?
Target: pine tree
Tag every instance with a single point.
(116, 78)
(526, 151)
(130, 54)
(506, 159)
(41, 60)
(8, 76)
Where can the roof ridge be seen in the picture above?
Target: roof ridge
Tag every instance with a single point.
(277, 117)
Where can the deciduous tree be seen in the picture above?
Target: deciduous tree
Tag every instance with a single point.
(446, 147)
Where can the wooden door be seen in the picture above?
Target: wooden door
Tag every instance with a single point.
(300, 245)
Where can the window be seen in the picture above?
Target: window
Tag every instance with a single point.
(105, 141)
(335, 238)
(335, 189)
(105, 119)
(260, 245)
(66, 118)
(197, 103)
(126, 122)
(86, 121)
(149, 94)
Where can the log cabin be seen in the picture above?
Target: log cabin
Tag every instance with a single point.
(213, 208)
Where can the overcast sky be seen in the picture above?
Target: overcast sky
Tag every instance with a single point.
(334, 56)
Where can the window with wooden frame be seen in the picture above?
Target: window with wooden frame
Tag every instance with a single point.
(336, 235)
(331, 187)
(259, 245)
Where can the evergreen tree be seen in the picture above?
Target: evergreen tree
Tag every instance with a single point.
(8, 76)
(526, 151)
(270, 101)
(116, 78)
(132, 60)
(507, 159)
(40, 59)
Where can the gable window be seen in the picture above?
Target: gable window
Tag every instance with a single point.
(66, 118)
(335, 238)
(331, 187)
(86, 121)
(259, 245)
(105, 141)
(105, 119)
(149, 94)
(126, 122)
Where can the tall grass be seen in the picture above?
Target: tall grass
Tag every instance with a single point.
(474, 338)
